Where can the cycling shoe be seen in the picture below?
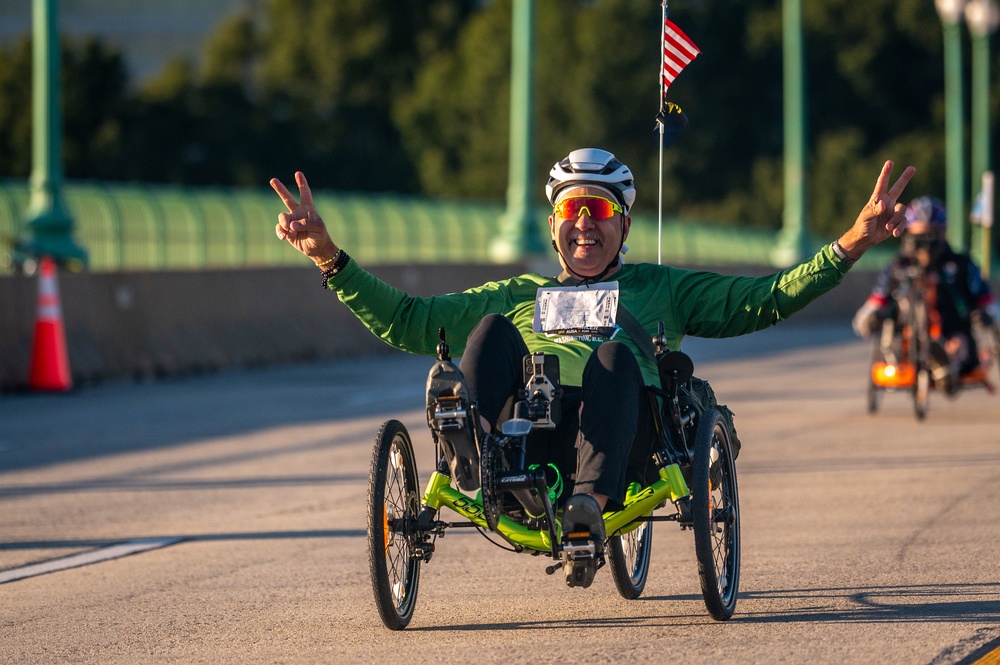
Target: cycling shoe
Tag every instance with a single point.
(450, 418)
(583, 540)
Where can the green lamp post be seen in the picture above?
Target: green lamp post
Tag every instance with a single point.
(950, 12)
(983, 18)
(518, 230)
(48, 226)
(794, 237)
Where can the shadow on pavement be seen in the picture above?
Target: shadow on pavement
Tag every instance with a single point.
(112, 418)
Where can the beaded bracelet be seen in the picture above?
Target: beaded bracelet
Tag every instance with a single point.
(339, 263)
(328, 261)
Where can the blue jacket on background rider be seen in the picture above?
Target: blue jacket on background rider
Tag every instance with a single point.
(575, 315)
(954, 288)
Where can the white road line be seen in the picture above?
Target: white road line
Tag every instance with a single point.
(86, 558)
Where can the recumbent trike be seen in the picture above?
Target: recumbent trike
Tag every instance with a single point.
(693, 457)
(908, 354)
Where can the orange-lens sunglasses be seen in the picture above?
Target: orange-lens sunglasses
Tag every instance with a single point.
(597, 207)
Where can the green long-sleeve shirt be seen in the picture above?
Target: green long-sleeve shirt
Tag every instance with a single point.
(689, 302)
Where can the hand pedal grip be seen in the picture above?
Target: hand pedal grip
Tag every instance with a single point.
(540, 401)
(449, 416)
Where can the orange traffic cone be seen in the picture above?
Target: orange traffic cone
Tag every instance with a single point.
(49, 357)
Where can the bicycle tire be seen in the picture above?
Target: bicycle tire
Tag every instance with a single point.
(874, 390)
(628, 554)
(874, 397)
(920, 349)
(716, 515)
(922, 392)
(393, 505)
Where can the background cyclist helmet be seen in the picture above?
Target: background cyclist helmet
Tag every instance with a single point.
(592, 166)
(926, 226)
(926, 213)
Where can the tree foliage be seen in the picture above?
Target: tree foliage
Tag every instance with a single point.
(92, 84)
(413, 96)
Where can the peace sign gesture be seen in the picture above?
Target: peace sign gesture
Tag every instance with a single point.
(302, 226)
(882, 218)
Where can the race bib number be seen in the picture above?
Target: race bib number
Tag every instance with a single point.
(578, 312)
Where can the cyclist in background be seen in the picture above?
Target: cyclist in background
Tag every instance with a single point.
(955, 290)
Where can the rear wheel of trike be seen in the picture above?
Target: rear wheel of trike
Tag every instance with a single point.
(715, 513)
(628, 554)
(393, 505)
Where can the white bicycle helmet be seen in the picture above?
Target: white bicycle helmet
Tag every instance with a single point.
(592, 166)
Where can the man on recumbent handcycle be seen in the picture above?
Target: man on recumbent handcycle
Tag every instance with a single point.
(592, 317)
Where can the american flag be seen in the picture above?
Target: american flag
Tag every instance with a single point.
(678, 52)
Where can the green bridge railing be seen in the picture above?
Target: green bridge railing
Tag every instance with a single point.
(130, 227)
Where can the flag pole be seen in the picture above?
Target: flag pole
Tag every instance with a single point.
(663, 94)
(676, 52)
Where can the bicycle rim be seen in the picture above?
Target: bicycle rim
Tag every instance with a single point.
(628, 555)
(393, 504)
(716, 516)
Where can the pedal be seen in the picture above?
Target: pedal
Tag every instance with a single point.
(583, 540)
(581, 559)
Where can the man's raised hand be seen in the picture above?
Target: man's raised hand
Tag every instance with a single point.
(302, 226)
(882, 217)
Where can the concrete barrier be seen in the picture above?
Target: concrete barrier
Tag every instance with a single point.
(153, 324)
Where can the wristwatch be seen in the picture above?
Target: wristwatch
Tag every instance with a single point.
(841, 253)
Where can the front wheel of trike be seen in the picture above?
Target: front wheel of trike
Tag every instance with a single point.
(716, 515)
(628, 554)
(393, 506)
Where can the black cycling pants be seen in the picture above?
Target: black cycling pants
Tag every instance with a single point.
(600, 419)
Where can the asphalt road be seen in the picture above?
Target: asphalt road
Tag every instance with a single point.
(221, 518)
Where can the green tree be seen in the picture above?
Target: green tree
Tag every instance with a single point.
(413, 96)
(94, 89)
(874, 85)
(15, 110)
(454, 122)
(334, 69)
(203, 126)
(93, 86)
(595, 84)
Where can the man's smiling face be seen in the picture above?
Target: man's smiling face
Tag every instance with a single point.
(586, 245)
